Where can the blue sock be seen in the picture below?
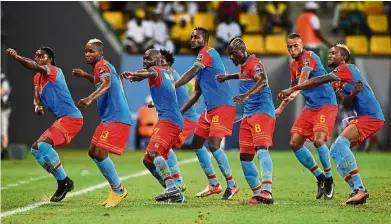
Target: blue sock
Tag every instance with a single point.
(174, 168)
(163, 170)
(157, 176)
(107, 169)
(324, 156)
(345, 160)
(206, 164)
(224, 166)
(307, 160)
(266, 169)
(41, 161)
(51, 157)
(251, 174)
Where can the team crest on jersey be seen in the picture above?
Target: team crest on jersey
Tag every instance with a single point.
(101, 71)
(335, 71)
(306, 62)
(258, 68)
(200, 57)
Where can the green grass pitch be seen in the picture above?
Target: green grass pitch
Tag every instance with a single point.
(294, 191)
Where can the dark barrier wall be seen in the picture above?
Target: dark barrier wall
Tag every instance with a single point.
(66, 27)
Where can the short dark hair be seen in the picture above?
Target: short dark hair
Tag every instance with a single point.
(168, 56)
(50, 52)
(205, 32)
(294, 36)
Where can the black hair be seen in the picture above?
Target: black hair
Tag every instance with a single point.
(168, 56)
(294, 36)
(205, 32)
(50, 52)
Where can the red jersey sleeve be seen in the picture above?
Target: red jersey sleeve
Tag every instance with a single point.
(156, 82)
(51, 72)
(203, 59)
(293, 71)
(103, 72)
(36, 80)
(342, 73)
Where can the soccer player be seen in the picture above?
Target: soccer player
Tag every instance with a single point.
(189, 124)
(111, 135)
(257, 127)
(316, 120)
(217, 122)
(52, 92)
(167, 130)
(368, 121)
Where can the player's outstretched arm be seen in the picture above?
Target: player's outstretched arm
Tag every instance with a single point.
(222, 78)
(106, 83)
(137, 76)
(193, 98)
(260, 84)
(309, 84)
(26, 62)
(77, 72)
(187, 76)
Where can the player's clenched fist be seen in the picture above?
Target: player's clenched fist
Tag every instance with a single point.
(39, 110)
(284, 94)
(220, 78)
(77, 72)
(12, 52)
(83, 103)
(240, 98)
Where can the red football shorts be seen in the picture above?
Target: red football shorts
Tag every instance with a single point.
(63, 130)
(112, 136)
(188, 129)
(367, 126)
(164, 137)
(316, 120)
(217, 122)
(256, 130)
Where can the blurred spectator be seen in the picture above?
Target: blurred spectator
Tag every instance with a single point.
(228, 8)
(160, 34)
(350, 17)
(132, 6)
(248, 6)
(181, 32)
(308, 27)
(5, 112)
(138, 34)
(168, 9)
(147, 119)
(226, 30)
(277, 16)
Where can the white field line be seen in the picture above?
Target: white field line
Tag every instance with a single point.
(22, 182)
(85, 190)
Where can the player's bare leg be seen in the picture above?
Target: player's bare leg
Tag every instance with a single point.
(203, 156)
(48, 158)
(107, 168)
(307, 160)
(324, 156)
(222, 160)
(347, 165)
